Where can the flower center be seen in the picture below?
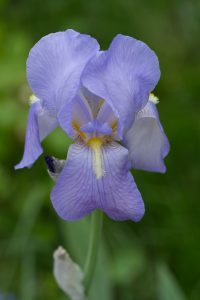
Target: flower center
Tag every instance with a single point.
(95, 134)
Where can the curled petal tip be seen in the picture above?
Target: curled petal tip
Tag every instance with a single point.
(68, 274)
(139, 217)
(60, 253)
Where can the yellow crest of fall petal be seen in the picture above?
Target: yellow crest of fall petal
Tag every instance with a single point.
(95, 144)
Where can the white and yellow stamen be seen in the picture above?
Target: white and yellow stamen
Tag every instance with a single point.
(153, 98)
(33, 99)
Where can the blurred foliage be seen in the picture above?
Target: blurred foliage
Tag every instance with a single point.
(157, 258)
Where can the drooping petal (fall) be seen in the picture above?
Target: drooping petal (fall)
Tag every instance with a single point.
(146, 141)
(39, 125)
(73, 197)
(78, 191)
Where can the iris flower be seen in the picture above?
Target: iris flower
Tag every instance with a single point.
(103, 101)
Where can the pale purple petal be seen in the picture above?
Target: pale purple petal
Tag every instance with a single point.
(55, 64)
(81, 111)
(92, 99)
(83, 108)
(46, 123)
(146, 141)
(77, 111)
(120, 197)
(78, 192)
(73, 195)
(39, 125)
(123, 76)
(106, 114)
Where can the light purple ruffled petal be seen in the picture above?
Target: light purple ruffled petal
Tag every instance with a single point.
(146, 141)
(78, 192)
(123, 76)
(39, 125)
(55, 64)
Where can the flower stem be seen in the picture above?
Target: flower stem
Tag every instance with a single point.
(95, 233)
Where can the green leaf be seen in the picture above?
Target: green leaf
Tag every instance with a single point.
(28, 277)
(167, 285)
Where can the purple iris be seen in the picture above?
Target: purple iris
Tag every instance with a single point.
(102, 100)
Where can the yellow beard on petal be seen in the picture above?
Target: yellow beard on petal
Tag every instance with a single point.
(97, 159)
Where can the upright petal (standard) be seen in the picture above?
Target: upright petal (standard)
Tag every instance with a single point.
(124, 75)
(55, 64)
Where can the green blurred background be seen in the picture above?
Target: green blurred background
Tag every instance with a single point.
(157, 258)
